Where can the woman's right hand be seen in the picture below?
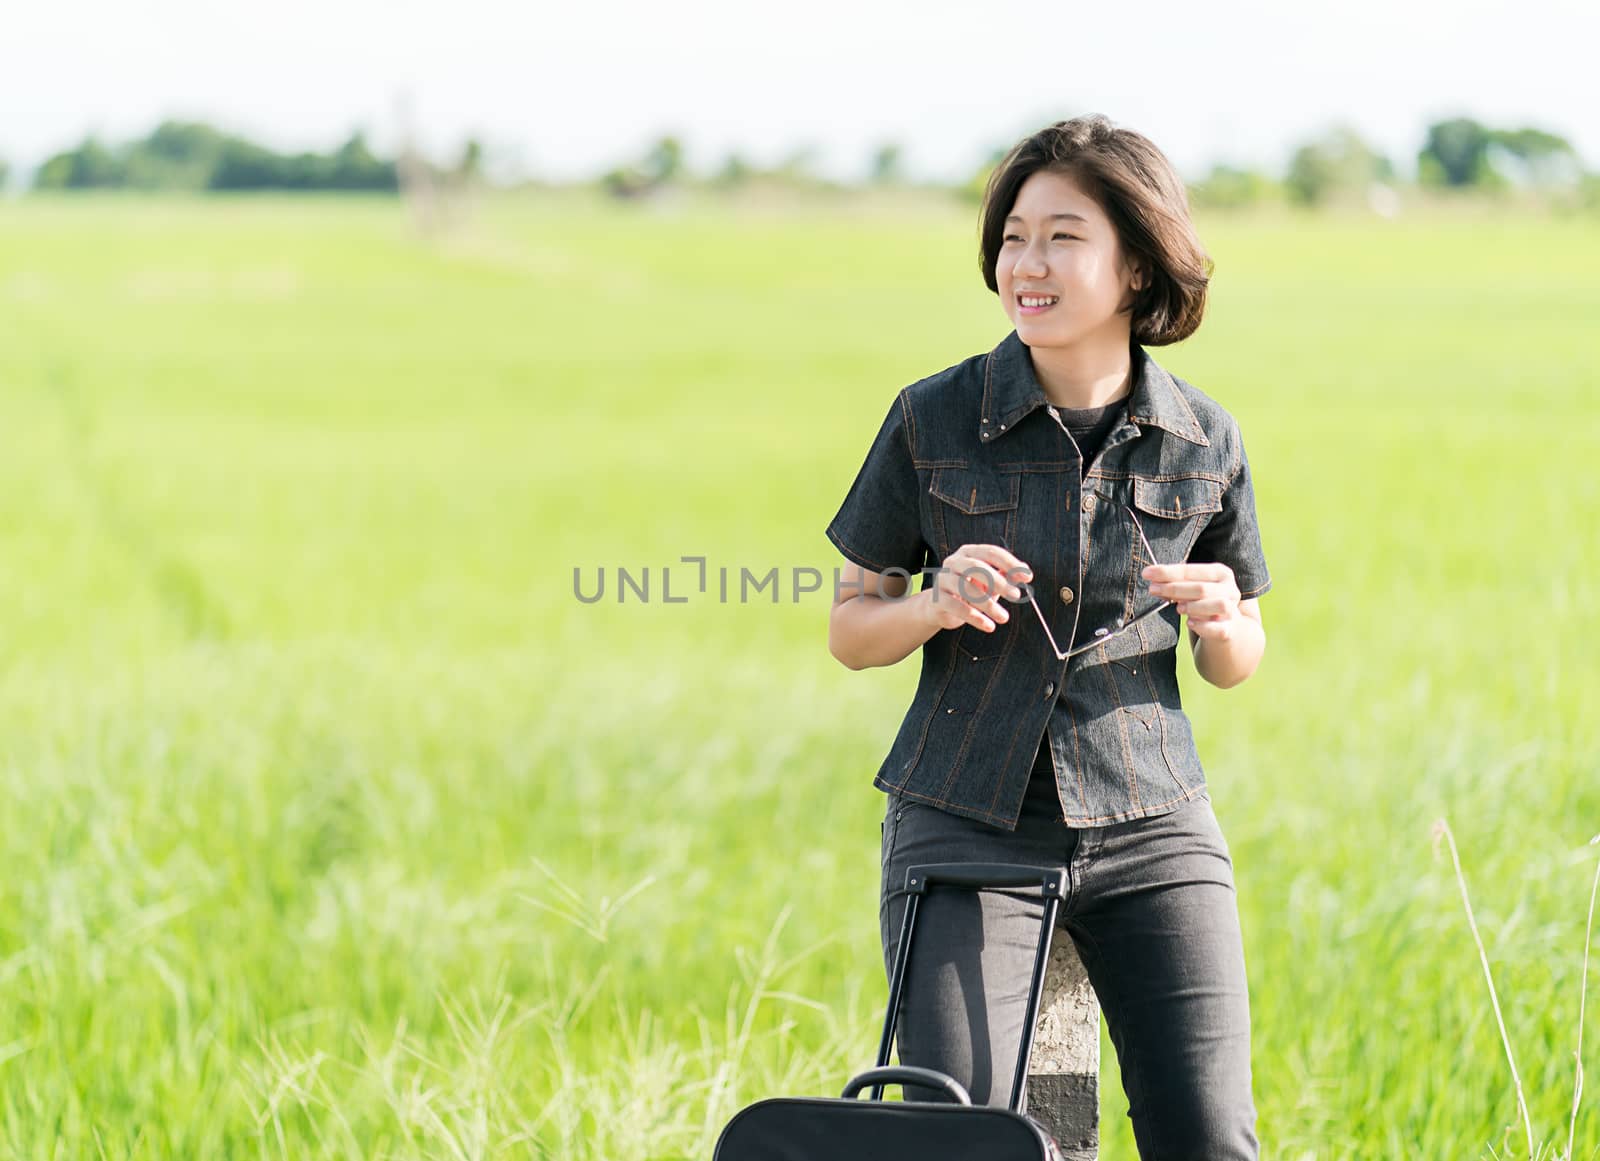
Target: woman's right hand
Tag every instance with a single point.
(970, 581)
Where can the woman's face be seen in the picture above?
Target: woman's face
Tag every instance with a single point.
(1074, 259)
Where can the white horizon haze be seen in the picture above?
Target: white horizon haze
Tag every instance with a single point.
(565, 92)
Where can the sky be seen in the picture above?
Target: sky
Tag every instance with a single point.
(566, 91)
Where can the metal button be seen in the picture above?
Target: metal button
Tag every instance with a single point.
(1088, 501)
(1066, 595)
(1049, 689)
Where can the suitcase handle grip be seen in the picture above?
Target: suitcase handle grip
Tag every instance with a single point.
(1052, 880)
(908, 1074)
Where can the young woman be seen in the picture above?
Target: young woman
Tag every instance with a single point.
(1068, 474)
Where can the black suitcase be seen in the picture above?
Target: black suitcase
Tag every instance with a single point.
(823, 1129)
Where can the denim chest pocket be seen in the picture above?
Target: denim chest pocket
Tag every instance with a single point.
(971, 506)
(1172, 513)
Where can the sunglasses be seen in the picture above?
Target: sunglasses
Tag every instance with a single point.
(1106, 633)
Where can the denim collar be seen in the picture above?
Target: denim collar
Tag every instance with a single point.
(1011, 390)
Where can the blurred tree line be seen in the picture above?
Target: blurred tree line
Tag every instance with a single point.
(189, 155)
(1335, 166)
(662, 166)
(1457, 155)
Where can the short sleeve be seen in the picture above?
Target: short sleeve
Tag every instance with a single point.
(879, 524)
(1233, 535)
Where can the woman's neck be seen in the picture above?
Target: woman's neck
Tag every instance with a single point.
(1090, 373)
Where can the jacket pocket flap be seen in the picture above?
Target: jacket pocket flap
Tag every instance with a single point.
(1176, 499)
(974, 492)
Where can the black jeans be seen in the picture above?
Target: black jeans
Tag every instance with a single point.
(1152, 910)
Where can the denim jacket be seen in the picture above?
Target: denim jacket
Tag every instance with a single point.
(972, 455)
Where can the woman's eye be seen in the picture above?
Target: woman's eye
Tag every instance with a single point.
(1011, 237)
(1064, 236)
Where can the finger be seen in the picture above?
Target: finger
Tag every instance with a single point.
(977, 583)
(1187, 571)
(974, 617)
(976, 580)
(1196, 590)
(960, 613)
(1220, 629)
(956, 614)
(1010, 566)
(979, 573)
(963, 582)
(1184, 590)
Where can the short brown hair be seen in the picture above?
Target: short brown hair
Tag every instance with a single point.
(1143, 196)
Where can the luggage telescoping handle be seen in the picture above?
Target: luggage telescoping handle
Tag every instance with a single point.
(979, 876)
(1052, 884)
(908, 1074)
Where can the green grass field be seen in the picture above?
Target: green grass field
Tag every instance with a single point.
(334, 825)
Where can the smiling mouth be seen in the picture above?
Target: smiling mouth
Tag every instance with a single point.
(1036, 303)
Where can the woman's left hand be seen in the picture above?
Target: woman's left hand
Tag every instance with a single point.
(1205, 593)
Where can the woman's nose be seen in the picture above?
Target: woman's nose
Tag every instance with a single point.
(1029, 265)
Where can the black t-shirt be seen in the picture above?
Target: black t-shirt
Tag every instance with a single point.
(1089, 427)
